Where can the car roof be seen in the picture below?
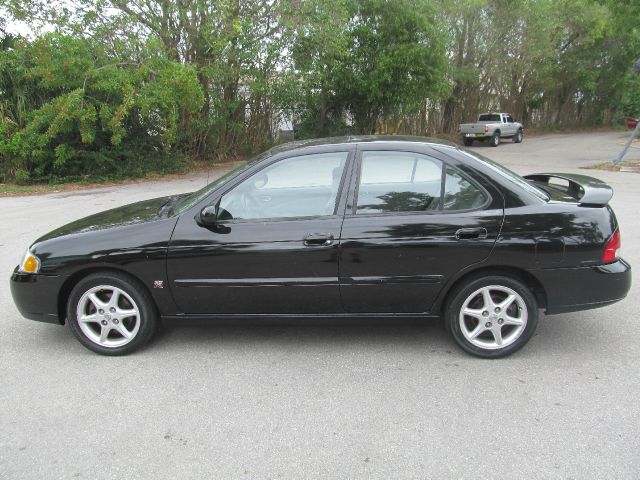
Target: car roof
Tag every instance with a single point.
(350, 139)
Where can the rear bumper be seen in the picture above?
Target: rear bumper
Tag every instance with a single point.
(584, 288)
(474, 136)
(36, 295)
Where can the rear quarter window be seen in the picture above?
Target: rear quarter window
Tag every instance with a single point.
(460, 193)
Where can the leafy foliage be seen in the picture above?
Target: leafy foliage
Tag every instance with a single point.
(381, 60)
(71, 110)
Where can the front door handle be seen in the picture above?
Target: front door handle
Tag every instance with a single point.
(471, 233)
(318, 239)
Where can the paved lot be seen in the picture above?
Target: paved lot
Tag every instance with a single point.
(362, 400)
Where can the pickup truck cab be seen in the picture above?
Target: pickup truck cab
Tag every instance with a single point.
(492, 127)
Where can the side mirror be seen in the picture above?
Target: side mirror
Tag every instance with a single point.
(208, 216)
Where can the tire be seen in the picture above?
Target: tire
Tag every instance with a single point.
(517, 138)
(467, 141)
(494, 141)
(491, 331)
(126, 323)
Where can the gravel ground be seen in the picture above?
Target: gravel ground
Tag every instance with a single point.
(324, 400)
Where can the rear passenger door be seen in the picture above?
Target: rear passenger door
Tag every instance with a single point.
(412, 222)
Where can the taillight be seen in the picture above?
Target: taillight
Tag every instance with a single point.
(611, 248)
(486, 128)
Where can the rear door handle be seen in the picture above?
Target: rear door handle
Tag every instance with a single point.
(318, 239)
(471, 233)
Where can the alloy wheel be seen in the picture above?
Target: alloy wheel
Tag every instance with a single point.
(493, 317)
(108, 316)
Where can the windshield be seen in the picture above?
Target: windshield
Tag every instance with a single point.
(191, 199)
(512, 176)
(489, 118)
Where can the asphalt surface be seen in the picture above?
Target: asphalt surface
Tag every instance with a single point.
(324, 400)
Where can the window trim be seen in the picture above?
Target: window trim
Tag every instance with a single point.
(445, 164)
(342, 190)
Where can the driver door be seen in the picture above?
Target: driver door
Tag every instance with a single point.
(274, 248)
(511, 126)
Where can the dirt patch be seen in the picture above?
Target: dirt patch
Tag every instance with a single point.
(632, 167)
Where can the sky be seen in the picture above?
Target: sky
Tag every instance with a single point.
(16, 26)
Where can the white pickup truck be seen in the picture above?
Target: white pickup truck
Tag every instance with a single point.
(492, 127)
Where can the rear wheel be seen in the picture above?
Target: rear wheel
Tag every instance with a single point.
(517, 138)
(495, 139)
(467, 141)
(493, 316)
(111, 313)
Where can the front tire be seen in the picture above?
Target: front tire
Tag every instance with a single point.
(111, 313)
(492, 317)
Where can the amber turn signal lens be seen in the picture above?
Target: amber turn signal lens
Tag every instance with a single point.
(30, 263)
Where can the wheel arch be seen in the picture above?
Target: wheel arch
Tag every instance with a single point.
(76, 277)
(520, 274)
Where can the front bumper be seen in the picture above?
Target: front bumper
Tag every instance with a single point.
(36, 295)
(584, 288)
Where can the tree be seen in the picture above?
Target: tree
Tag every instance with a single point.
(89, 113)
(382, 60)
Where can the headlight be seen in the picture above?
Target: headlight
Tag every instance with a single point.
(30, 263)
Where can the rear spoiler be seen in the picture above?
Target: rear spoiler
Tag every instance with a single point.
(586, 190)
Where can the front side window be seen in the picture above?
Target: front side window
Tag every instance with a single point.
(301, 186)
(398, 182)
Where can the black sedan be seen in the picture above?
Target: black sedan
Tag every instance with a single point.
(335, 228)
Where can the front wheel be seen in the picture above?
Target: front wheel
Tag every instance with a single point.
(517, 138)
(491, 317)
(111, 313)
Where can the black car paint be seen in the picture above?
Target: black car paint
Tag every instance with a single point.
(132, 238)
(383, 264)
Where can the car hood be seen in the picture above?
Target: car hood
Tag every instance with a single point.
(134, 213)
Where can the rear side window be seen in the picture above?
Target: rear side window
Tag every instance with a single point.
(398, 182)
(410, 182)
(508, 174)
(489, 117)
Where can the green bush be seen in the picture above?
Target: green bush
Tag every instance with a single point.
(71, 111)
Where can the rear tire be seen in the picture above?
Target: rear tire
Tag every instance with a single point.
(467, 142)
(495, 140)
(111, 313)
(492, 316)
(517, 138)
